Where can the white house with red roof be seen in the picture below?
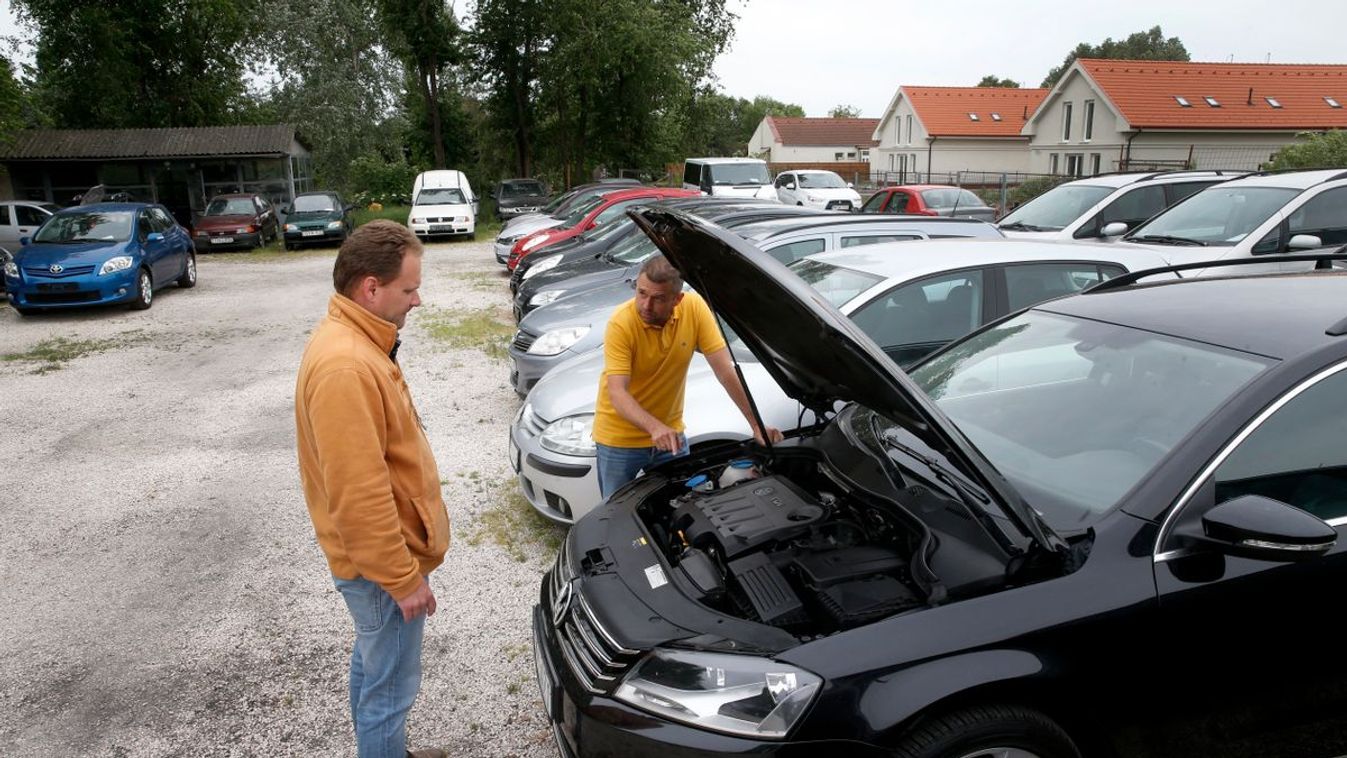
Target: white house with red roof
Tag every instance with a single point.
(812, 140)
(1109, 115)
(936, 132)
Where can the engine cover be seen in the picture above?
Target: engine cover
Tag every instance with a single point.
(742, 517)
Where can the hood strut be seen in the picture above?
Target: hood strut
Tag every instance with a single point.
(752, 404)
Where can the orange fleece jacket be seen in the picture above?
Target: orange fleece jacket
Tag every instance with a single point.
(369, 477)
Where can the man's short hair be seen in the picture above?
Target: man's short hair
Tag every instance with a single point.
(375, 249)
(659, 270)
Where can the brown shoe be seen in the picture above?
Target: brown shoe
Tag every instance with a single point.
(427, 752)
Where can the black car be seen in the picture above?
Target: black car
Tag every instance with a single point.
(1106, 525)
(317, 218)
(515, 197)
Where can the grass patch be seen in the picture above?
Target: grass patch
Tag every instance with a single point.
(487, 281)
(398, 213)
(513, 525)
(270, 253)
(53, 354)
(487, 330)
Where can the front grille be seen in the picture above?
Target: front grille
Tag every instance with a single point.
(523, 341)
(591, 653)
(62, 297)
(839, 205)
(68, 271)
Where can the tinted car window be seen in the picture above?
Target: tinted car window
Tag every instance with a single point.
(794, 251)
(162, 219)
(1297, 456)
(1324, 216)
(876, 203)
(784, 179)
(929, 312)
(1030, 283)
(897, 203)
(692, 174)
(1180, 190)
(144, 226)
(4, 214)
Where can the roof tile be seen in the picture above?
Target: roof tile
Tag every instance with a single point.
(182, 142)
(847, 132)
(944, 110)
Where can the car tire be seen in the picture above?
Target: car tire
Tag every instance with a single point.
(144, 291)
(992, 730)
(799, 203)
(289, 246)
(25, 311)
(188, 278)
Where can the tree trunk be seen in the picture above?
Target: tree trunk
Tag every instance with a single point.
(430, 90)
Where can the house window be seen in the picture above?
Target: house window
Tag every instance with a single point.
(1094, 163)
(1089, 120)
(897, 130)
(865, 155)
(1272, 101)
(1074, 163)
(1066, 122)
(973, 117)
(1182, 101)
(1052, 163)
(1212, 101)
(838, 156)
(909, 129)
(996, 117)
(1331, 102)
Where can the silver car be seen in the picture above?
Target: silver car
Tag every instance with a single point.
(574, 324)
(21, 218)
(911, 305)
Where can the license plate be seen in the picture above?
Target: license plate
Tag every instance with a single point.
(317, 233)
(545, 686)
(441, 228)
(221, 240)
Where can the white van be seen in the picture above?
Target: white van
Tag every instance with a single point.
(442, 203)
(729, 177)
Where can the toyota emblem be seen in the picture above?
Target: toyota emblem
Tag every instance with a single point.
(56, 268)
(561, 604)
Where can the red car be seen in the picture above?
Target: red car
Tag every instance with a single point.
(929, 200)
(233, 221)
(596, 212)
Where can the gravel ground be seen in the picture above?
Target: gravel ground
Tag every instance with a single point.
(165, 593)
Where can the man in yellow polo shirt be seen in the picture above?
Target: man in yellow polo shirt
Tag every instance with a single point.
(638, 419)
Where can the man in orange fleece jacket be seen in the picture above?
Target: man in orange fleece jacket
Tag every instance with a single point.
(370, 479)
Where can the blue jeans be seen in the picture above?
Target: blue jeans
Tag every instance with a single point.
(619, 465)
(385, 668)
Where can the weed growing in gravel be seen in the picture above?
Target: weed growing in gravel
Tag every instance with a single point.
(487, 281)
(488, 330)
(50, 355)
(511, 523)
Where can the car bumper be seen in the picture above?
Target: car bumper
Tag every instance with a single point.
(72, 292)
(502, 252)
(443, 229)
(512, 212)
(527, 368)
(585, 724)
(306, 237)
(561, 487)
(227, 242)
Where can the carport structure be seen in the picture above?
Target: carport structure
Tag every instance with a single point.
(180, 168)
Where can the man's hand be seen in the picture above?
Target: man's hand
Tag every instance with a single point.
(773, 434)
(422, 600)
(665, 438)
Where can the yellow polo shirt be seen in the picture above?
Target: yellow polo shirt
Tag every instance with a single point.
(657, 361)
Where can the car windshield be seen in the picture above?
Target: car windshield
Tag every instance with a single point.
(824, 180)
(49, 207)
(440, 196)
(521, 189)
(1076, 412)
(837, 285)
(1219, 216)
(739, 173)
(88, 226)
(607, 230)
(231, 206)
(634, 250)
(951, 197)
(1055, 209)
(314, 203)
(579, 212)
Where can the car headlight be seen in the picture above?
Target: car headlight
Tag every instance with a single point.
(813, 199)
(241, 230)
(536, 241)
(200, 233)
(291, 228)
(12, 269)
(570, 436)
(550, 261)
(336, 224)
(113, 265)
(417, 220)
(737, 694)
(545, 297)
(557, 340)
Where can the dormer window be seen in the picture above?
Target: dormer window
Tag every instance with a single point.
(1182, 101)
(1212, 101)
(1331, 102)
(1273, 102)
(973, 117)
(996, 117)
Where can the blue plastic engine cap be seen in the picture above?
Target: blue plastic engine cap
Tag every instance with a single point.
(697, 481)
(745, 463)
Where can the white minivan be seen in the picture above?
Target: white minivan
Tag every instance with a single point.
(442, 203)
(729, 177)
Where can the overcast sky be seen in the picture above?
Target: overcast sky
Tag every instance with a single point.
(823, 53)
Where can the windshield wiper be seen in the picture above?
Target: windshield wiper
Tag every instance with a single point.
(954, 481)
(1020, 226)
(1167, 239)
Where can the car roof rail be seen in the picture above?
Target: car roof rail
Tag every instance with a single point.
(1276, 171)
(1202, 171)
(1323, 261)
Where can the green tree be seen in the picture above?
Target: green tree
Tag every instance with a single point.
(1151, 45)
(844, 111)
(1318, 150)
(149, 63)
(991, 80)
(13, 102)
(422, 34)
(507, 42)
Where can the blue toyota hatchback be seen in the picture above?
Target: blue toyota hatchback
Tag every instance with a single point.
(99, 254)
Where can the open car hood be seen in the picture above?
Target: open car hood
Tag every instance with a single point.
(817, 355)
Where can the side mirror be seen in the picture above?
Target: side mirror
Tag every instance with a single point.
(790, 185)
(155, 237)
(1304, 242)
(1257, 527)
(1114, 229)
(851, 185)
(23, 241)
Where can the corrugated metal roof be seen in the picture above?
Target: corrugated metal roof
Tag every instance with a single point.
(1000, 111)
(842, 132)
(1146, 93)
(182, 142)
